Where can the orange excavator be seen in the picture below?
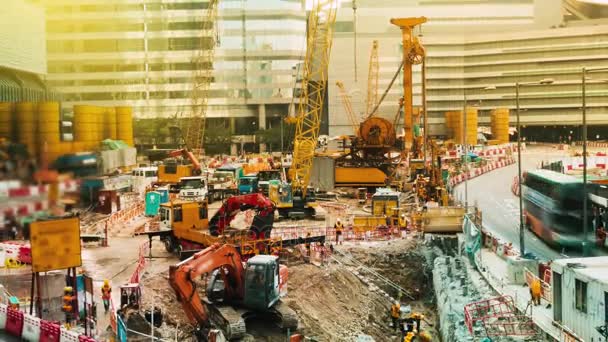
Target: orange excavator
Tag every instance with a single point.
(234, 290)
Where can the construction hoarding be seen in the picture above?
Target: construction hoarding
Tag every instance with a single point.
(55, 244)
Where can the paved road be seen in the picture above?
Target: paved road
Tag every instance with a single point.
(492, 194)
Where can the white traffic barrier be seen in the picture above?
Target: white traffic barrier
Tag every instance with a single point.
(31, 328)
(68, 336)
(3, 310)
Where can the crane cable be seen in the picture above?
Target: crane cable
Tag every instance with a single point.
(386, 91)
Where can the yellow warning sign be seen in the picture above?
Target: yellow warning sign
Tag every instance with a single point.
(55, 244)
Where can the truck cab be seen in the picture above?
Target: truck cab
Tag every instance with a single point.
(265, 177)
(193, 188)
(265, 282)
(248, 184)
(186, 220)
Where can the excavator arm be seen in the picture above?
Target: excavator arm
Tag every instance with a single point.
(186, 154)
(183, 274)
(262, 221)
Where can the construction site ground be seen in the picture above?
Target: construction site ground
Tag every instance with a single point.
(336, 301)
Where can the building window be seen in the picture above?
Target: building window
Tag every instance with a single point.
(580, 288)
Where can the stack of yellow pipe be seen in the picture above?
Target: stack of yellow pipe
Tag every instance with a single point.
(109, 128)
(26, 126)
(49, 140)
(6, 120)
(86, 127)
(124, 124)
(500, 125)
(471, 133)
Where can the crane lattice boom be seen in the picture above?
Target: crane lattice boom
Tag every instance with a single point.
(314, 84)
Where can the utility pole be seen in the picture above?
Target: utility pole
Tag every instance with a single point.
(585, 216)
(519, 178)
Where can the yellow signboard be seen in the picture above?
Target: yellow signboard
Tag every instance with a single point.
(55, 244)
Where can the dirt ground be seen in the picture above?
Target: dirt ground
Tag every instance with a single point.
(337, 301)
(342, 300)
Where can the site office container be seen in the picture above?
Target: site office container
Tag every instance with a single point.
(580, 295)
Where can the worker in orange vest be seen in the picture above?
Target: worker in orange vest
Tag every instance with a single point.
(67, 307)
(535, 291)
(106, 292)
(396, 314)
(338, 227)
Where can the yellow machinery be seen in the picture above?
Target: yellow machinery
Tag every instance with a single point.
(308, 119)
(413, 53)
(383, 202)
(170, 172)
(359, 176)
(203, 74)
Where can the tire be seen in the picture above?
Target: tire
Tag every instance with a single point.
(170, 244)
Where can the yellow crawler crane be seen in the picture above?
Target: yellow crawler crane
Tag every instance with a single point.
(171, 173)
(297, 200)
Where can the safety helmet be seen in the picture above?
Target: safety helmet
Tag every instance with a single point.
(106, 282)
(67, 289)
(338, 220)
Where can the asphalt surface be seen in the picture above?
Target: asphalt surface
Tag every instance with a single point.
(492, 194)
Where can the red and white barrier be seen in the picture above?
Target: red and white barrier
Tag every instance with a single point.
(49, 332)
(457, 179)
(68, 335)
(14, 322)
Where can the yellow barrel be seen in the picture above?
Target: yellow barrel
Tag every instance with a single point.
(6, 120)
(110, 123)
(500, 125)
(471, 133)
(78, 146)
(449, 125)
(124, 124)
(85, 125)
(458, 126)
(48, 123)
(26, 125)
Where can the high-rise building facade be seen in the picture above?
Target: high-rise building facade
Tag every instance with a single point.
(140, 53)
(479, 50)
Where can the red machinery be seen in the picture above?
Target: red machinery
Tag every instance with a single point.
(254, 287)
(184, 153)
(262, 221)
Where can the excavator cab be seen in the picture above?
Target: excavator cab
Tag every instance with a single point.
(262, 282)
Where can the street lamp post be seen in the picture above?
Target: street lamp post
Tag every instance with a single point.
(465, 145)
(519, 173)
(584, 73)
(466, 153)
(519, 180)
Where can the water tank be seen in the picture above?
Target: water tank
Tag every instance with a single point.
(85, 126)
(471, 126)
